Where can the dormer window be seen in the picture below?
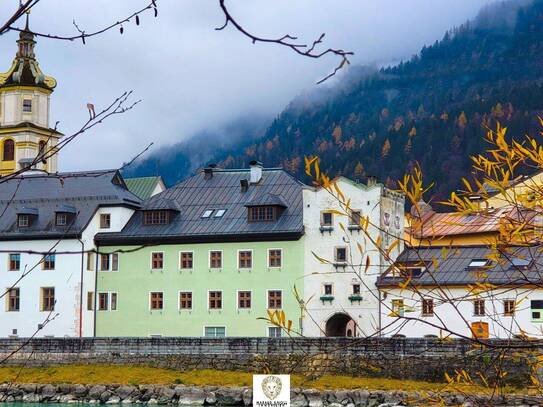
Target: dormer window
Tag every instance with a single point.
(61, 219)
(158, 217)
(23, 220)
(64, 215)
(262, 213)
(26, 216)
(408, 270)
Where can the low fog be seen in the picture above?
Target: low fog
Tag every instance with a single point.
(192, 78)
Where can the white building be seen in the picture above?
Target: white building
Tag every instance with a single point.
(47, 266)
(341, 298)
(464, 291)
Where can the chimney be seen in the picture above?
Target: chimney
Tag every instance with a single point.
(256, 171)
(208, 171)
(372, 180)
(244, 185)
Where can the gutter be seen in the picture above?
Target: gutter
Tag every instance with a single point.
(81, 289)
(105, 240)
(95, 291)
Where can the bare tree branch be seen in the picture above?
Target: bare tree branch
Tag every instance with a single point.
(289, 41)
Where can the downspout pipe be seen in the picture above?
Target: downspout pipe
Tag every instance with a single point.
(81, 288)
(380, 322)
(97, 250)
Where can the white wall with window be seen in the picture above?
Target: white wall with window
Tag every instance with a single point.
(331, 288)
(499, 313)
(66, 270)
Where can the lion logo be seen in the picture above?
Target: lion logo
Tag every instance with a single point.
(271, 386)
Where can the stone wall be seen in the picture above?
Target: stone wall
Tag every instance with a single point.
(418, 359)
(191, 396)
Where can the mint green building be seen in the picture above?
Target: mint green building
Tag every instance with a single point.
(207, 257)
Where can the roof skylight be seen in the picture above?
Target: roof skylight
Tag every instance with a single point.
(219, 213)
(519, 262)
(476, 263)
(207, 213)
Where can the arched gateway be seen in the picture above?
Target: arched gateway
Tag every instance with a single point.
(340, 324)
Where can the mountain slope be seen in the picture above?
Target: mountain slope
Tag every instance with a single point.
(433, 109)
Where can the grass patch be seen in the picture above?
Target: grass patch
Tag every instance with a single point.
(135, 375)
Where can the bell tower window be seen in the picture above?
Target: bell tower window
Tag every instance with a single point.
(27, 105)
(8, 153)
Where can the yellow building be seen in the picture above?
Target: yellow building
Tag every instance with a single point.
(26, 140)
(490, 226)
(522, 189)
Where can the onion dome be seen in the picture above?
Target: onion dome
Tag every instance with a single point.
(25, 69)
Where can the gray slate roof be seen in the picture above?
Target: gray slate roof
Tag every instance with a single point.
(46, 194)
(191, 197)
(454, 268)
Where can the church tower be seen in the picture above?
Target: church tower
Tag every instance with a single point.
(24, 112)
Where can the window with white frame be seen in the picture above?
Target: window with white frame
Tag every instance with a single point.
(244, 299)
(479, 307)
(274, 332)
(215, 259)
(215, 331)
(245, 259)
(156, 301)
(509, 308)
(186, 261)
(157, 260)
(275, 299)
(27, 105)
(13, 299)
(90, 300)
(427, 307)
(185, 300)
(275, 258)
(340, 254)
(327, 219)
(109, 261)
(14, 263)
(215, 300)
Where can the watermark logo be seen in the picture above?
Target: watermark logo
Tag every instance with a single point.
(271, 391)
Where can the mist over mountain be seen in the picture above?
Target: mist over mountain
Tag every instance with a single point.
(432, 109)
(175, 162)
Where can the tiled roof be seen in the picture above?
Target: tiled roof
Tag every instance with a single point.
(45, 194)
(449, 224)
(199, 193)
(450, 266)
(142, 186)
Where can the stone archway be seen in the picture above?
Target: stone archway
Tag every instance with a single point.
(340, 324)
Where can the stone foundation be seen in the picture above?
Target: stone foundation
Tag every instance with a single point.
(238, 396)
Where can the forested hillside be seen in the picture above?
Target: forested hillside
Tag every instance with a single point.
(433, 109)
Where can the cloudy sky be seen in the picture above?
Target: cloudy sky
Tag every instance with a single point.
(191, 77)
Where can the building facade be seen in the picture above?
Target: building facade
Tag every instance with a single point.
(47, 231)
(463, 291)
(340, 293)
(207, 257)
(26, 138)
